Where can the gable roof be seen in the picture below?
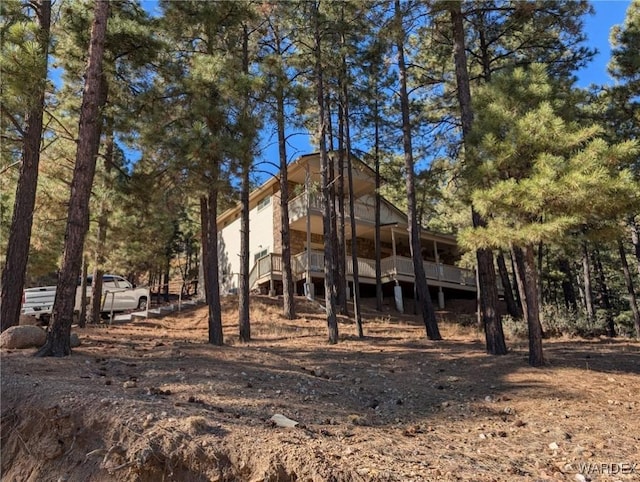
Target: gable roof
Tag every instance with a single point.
(296, 172)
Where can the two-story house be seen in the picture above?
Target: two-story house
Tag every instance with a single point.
(440, 252)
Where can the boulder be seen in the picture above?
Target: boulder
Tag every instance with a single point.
(24, 336)
(29, 320)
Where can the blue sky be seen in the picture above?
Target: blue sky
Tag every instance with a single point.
(598, 26)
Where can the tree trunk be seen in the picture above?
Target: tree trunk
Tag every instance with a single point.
(352, 215)
(103, 227)
(588, 292)
(329, 235)
(341, 237)
(337, 209)
(488, 291)
(82, 316)
(166, 275)
(569, 293)
(378, 203)
(93, 98)
(635, 239)
(208, 213)
(604, 300)
(17, 255)
(528, 286)
(628, 279)
(243, 289)
(287, 272)
(428, 313)
(536, 357)
(512, 306)
(516, 258)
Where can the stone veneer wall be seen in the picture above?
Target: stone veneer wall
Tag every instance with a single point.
(367, 248)
(299, 240)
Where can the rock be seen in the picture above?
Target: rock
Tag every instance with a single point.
(553, 446)
(129, 384)
(282, 421)
(28, 320)
(24, 336)
(75, 340)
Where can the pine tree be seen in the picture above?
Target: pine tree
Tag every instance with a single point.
(540, 173)
(59, 335)
(488, 291)
(330, 283)
(32, 65)
(422, 288)
(277, 49)
(624, 105)
(201, 84)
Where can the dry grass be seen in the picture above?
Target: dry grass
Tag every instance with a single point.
(392, 406)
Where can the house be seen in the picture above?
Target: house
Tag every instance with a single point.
(440, 252)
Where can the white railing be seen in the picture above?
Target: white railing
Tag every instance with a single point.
(404, 266)
(366, 267)
(299, 263)
(391, 267)
(388, 266)
(253, 276)
(298, 208)
(268, 264)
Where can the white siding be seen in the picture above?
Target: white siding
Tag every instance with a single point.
(260, 238)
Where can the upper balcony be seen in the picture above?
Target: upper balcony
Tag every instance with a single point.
(298, 209)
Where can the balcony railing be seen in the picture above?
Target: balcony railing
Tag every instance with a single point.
(265, 266)
(298, 208)
(392, 268)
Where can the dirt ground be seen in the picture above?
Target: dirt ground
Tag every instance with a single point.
(150, 400)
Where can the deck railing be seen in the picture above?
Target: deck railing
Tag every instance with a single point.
(267, 265)
(298, 208)
(397, 267)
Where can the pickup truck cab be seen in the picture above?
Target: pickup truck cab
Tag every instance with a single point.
(118, 294)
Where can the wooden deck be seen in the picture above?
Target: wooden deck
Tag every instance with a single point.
(394, 268)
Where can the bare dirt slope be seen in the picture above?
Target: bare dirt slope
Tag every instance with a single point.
(152, 401)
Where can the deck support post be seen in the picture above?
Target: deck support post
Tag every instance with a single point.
(397, 294)
(272, 288)
(308, 284)
(309, 291)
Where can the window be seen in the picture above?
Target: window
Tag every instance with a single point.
(260, 254)
(264, 203)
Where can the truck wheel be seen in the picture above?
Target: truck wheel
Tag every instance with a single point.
(142, 303)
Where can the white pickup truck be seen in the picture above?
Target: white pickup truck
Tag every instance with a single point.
(118, 295)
